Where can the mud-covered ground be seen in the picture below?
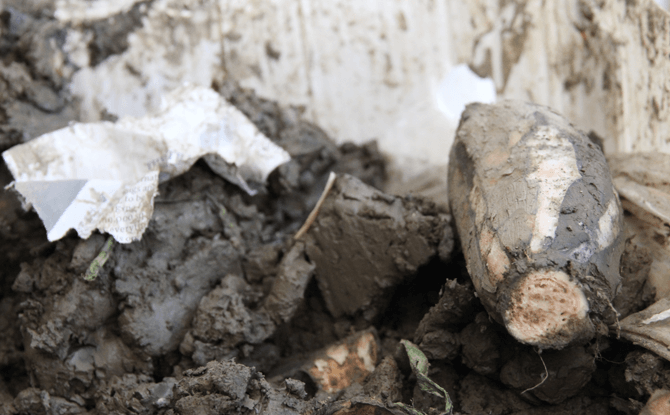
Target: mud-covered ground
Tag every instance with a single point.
(219, 309)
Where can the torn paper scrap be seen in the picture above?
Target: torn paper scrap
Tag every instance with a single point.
(105, 175)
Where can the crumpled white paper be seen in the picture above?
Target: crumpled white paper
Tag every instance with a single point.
(105, 175)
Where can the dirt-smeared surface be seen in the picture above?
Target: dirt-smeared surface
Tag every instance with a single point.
(218, 309)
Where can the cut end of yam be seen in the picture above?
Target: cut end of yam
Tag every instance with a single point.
(548, 310)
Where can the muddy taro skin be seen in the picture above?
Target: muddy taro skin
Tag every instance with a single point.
(539, 221)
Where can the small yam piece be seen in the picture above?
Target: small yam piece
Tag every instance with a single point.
(539, 221)
(658, 404)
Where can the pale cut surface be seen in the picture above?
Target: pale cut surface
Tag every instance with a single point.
(545, 308)
(555, 169)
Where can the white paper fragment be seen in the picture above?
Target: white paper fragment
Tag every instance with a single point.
(461, 87)
(105, 175)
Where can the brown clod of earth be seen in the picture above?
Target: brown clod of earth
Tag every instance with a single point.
(567, 372)
(365, 242)
(437, 334)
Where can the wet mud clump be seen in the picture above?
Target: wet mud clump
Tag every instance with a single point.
(364, 242)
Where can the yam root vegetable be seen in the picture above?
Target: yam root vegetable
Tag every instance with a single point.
(539, 221)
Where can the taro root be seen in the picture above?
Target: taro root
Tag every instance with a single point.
(539, 220)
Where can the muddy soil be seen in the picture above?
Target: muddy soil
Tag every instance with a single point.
(219, 309)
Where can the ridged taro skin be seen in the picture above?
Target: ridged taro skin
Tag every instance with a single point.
(539, 221)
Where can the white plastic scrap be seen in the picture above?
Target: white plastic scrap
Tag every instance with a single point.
(658, 317)
(461, 87)
(105, 175)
